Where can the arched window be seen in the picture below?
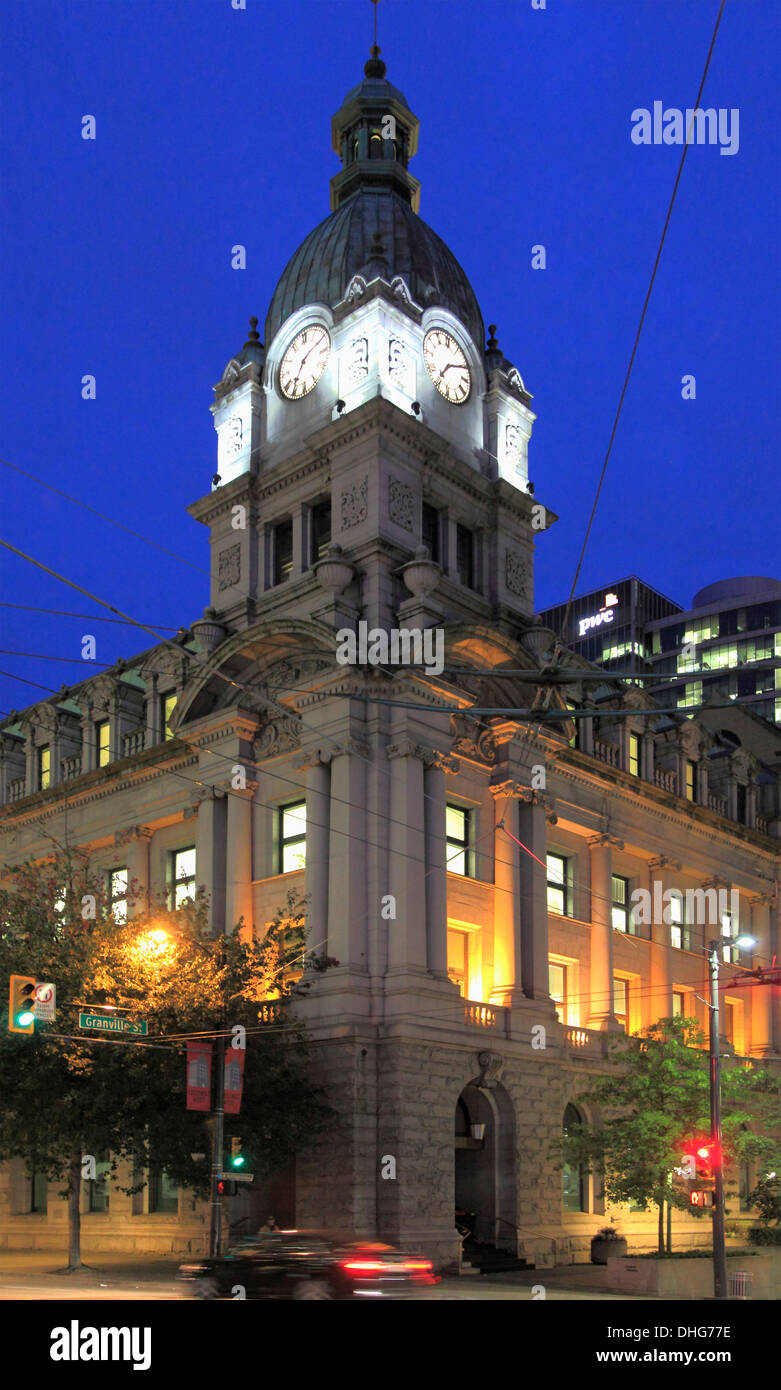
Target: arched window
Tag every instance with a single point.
(375, 145)
(573, 1177)
(462, 1118)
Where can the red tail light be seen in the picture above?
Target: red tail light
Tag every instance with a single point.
(387, 1266)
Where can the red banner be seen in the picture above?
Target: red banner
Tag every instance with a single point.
(234, 1079)
(199, 1075)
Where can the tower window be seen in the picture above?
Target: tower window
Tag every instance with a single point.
(619, 913)
(103, 742)
(320, 531)
(375, 145)
(691, 780)
(465, 556)
(282, 551)
(44, 767)
(430, 530)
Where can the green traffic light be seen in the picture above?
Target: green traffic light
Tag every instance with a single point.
(238, 1161)
(25, 1019)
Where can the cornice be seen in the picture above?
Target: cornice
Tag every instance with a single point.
(20, 813)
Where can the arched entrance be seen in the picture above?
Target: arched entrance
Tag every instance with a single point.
(486, 1187)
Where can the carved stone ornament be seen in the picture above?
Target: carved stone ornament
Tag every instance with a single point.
(513, 446)
(491, 1066)
(400, 290)
(514, 379)
(357, 363)
(229, 566)
(355, 289)
(516, 572)
(480, 749)
(402, 504)
(400, 366)
(232, 371)
(279, 735)
(355, 504)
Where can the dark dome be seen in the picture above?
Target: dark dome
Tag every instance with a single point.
(341, 246)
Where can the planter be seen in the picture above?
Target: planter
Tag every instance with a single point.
(692, 1279)
(602, 1249)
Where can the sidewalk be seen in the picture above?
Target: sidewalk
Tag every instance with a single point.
(104, 1269)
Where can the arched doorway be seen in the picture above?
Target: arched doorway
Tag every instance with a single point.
(485, 1185)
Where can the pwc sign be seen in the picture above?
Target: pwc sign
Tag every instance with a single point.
(605, 615)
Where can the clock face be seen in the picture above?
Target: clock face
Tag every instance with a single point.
(304, 362)
(446, 365)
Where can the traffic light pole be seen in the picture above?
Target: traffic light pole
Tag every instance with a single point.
(719, 1246)
(218, 1129)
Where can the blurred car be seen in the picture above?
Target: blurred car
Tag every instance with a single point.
(302, 1265)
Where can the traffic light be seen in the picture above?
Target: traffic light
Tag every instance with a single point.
(238, 1158)
(705, 1158)
(226, 1188)
(21, 1016)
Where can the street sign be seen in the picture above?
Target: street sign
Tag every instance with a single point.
(44, 1002)
(108, 1023)
(237, 1177)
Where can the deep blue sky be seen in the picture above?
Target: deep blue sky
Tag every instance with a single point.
(214, 128)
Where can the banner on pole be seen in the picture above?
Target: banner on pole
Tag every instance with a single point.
(234, 1079)
(199, 1075)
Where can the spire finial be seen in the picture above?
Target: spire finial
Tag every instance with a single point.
(254, 336)
(375, 66)
(492, 343)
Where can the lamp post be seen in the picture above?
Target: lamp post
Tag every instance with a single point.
(719, 1244)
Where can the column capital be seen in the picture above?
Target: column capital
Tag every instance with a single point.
(716, 882)
(764, 900)
(663, 862)
(355, 747)
(313, 757)
(431, 757)
(603, 840)
(130, 833)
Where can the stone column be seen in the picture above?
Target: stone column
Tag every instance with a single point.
(702, 782)
(347, 905)
(408, 951)
(533, 893)
(210, 854)
(153, 734)
(136, 842)
(761, 996)
(602, 1015)
(661, 1002)
(647, 757)
(436, 867)
(586, 730)
(507, 897)
(238, 858)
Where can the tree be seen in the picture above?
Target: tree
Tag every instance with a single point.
(654, 1101)
(68, 1095)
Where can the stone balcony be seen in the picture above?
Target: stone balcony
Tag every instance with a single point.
(609, 753)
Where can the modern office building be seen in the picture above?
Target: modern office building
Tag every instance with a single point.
(728, 643)
(608, 626)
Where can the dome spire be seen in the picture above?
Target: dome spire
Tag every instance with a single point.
(375, 66)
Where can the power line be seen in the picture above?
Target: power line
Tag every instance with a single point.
(640, 325)
(88, 617)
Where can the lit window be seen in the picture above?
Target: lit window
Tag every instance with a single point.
(167, 707)
(558, 888)
(282, 551)
(465, 556)
(291, 837)
(182, 876)
(458, 959)
(320, 531)
(679, 1004)
(730, 953)
(117, 894)
(675, 909)
(728, 1029)
(44, 767)
(634, 754)
(692, 695)
(103, 742)
(457, 836)
(557, 988)
(621, 1002)
(619, 913)
(97, 1187)
(691, 780)
(573, 1177)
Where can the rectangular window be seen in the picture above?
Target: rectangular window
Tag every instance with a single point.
(103, 743)
(465, 556)
(691, 780)
(117, 894)
(458, 959)
(679, 1004)
(97, 1187)
(39, 1192)
(621, 1002)
(730, 953)
(619, 912)
(44, 767)
(282, 551)
(634, 754)
(558, 888)
(430, 531)
(167, 707)
(163, 1194)
(729, 1023)
(320, 537)
(291, 837)
(741, 807)
(676, 922)
(458, 825)
(557, 988)
(182, 876)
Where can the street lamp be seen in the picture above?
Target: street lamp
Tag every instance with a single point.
(743, 942)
